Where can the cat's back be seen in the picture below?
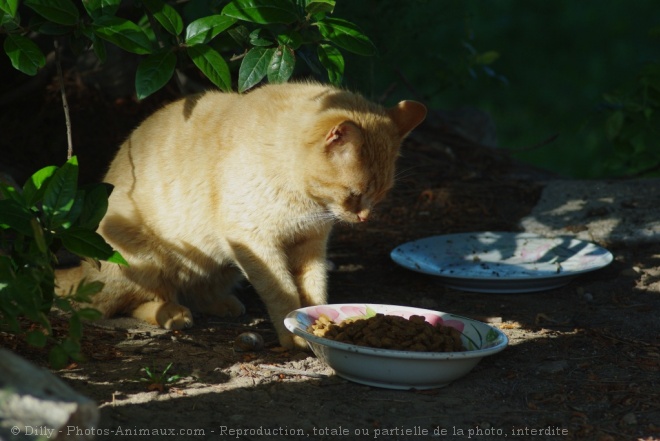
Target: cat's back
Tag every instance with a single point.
(226, 116)
(210, 146)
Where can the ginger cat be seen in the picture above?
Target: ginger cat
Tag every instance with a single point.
(221, 186)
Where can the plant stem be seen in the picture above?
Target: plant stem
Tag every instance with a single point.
(65, 103)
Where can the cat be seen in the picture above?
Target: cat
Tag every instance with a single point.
(222, 186)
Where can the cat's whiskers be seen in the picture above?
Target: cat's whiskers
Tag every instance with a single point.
(318, 219)
(401, 175)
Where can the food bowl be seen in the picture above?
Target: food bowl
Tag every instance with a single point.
(394, 369)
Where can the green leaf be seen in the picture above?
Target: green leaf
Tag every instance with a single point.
(24, 54)
(9, 6)
(487, 57)
(58, 357)
(333, 61)
(86, 243)
(75, 327)
(206, 29)
(60, 195)
(36, 338)
(44, 26)
(76, 209)
(99, 8)
(89, 314)
(211, 63)
(166, 15)
(9, 192)
(94, 207)
(153, 73)
(72, 347)
(281, 65)
(117, 258)
(123, 33)
(291, 38)
(62, 12)
(254, 67)
(39, 237)
(240, 34)
(320, 6)
(85, 290)
(34, 187)
(346, 35)
(257, 38)
(99, 48)
(262, 11)
(13, 215)
(10, 24)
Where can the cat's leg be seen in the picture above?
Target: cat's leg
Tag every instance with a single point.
(167, 315)
(215, 295)
(267, 269)
(309, 267)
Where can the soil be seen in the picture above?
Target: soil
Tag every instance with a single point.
(582, 363)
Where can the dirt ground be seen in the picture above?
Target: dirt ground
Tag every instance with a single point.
(582, 363)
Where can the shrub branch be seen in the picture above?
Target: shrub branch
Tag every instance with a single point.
(65, 103)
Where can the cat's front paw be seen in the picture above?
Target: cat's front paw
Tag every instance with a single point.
(175, 317)
(293, 342)
(167, 315)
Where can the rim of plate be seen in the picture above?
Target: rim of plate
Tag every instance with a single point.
(293, 324)
(398, 258)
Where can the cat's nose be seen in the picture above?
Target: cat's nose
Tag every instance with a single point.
(363, 215)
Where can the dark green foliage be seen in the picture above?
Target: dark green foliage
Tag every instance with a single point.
(633, 124)
(266, 34)
(48, 212)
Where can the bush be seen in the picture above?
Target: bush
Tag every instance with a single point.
(49, 212)
(268, 36)
(633, 124)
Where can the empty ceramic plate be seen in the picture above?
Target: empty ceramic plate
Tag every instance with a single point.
(500, 262)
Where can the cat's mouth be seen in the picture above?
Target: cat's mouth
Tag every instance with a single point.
(351, 216)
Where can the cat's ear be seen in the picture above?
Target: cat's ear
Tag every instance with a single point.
(407, 115)
(343, 138)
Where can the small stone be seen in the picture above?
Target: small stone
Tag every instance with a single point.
(249, 342)
(629, 419)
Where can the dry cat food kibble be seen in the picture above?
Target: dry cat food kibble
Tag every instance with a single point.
(391, 332)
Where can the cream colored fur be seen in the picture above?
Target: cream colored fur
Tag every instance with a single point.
(222, 186)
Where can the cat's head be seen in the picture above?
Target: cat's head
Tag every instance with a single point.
(353, 165)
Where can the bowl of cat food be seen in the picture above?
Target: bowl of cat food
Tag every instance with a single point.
(395, 347)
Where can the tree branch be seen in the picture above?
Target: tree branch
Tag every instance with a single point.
(65, 103)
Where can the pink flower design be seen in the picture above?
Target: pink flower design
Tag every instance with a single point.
(456, 324)
(318, 311)
(354, 311)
